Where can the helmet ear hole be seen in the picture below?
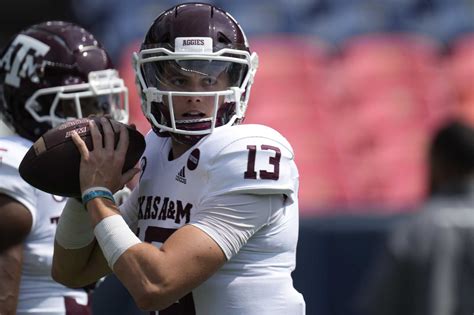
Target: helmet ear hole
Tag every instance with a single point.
(166, 38)
(221, 38)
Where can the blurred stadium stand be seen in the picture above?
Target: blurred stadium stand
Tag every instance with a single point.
(357, 86)
(16, 15)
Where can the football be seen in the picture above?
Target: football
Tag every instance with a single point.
(52, 163)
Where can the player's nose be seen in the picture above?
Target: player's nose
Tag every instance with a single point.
(194, 99)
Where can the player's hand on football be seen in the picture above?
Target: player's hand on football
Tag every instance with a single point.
(102, 166)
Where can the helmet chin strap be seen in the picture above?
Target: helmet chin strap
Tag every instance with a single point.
(185, 139)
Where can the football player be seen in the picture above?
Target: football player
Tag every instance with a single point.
(49, 73)
(212, 226)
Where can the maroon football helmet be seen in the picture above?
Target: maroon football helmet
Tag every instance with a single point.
(194, 40)
(55, 71)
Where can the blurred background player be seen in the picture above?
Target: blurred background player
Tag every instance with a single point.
(49, 73)
(429, 263)
(216, 208)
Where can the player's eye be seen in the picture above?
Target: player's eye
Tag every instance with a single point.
(178, 81)
(209, 81)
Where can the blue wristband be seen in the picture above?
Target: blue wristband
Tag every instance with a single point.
(97, 194)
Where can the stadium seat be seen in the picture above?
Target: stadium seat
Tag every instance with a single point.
(382, 58)
(341, 22)
(405, 69)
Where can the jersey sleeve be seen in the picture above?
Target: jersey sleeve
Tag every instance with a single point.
(231, 219)
(253, 165)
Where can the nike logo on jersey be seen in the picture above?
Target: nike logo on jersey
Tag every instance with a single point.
(181, 177)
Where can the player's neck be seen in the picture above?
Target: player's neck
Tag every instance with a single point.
(178, 148)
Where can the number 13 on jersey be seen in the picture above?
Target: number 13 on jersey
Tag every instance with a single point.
(274, 161)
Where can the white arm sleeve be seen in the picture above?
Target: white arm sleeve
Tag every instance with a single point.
(230, 220)
(74, 228)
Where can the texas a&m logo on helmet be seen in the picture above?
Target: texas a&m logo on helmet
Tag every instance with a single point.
(19, 61)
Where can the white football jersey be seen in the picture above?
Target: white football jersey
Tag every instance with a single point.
(211, 187)
(39, 293)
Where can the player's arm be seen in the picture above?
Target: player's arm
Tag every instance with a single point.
(15, 224)
(10, 274)
(158, 277)
(77, 268)
(155, 277)
(77, 259)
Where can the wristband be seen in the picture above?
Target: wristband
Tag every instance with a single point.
(96, 192)
(114, 238)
